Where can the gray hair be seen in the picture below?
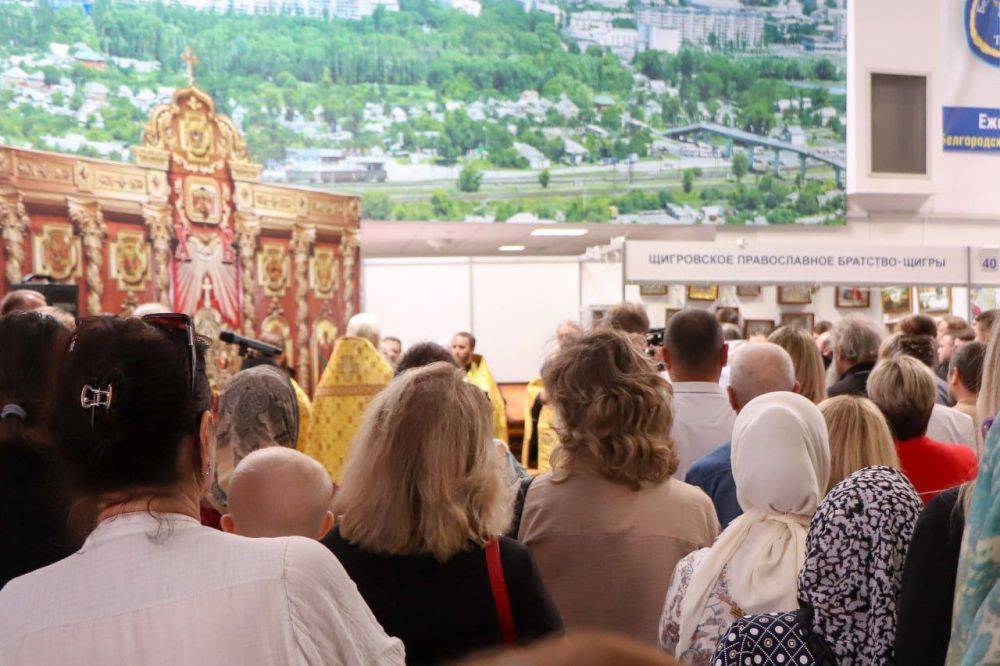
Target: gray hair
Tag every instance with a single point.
(857, 338)
(759, 368)
(364, 325)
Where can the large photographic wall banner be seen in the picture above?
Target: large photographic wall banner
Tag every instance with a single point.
(972, 61)
(647, 111)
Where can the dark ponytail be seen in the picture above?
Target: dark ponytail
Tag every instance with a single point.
(124, 405)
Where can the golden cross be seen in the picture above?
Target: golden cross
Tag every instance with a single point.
(191, 59)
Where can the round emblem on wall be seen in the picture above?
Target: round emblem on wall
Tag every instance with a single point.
(982, 29)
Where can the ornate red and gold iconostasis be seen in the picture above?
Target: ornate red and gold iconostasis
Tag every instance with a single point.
(191, 226)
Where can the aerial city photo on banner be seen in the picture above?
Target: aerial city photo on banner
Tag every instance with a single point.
(679, 112)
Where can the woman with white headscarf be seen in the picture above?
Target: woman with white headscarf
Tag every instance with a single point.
(781, 464)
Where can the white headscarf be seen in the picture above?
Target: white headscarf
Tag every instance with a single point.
(781, 465)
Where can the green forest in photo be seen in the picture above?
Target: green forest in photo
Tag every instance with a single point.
(275, 69)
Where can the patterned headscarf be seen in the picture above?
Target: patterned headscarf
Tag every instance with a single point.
(975, 628)
(854, 563)
(257, 408)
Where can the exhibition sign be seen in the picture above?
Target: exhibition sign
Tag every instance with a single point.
(972, 55)
(694, 262)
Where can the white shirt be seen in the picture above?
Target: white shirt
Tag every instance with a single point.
(703, 420)
(173, 592)
(951, 426)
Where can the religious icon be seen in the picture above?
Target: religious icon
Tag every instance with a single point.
(130, 261)
(794, 295)
(896, 300)
(273, 268)
(757, 327)
(802, 320)
(202, 200)
(276, 323)
(853, 297)
(57, 251)
(324, 337)
(322, 271)
(195, 132)
(652, 290)
(748, 290)
(703, 292)
(934, 300)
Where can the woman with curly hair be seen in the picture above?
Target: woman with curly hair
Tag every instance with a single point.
(608, 524)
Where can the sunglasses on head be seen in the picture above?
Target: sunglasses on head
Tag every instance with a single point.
(178, 321)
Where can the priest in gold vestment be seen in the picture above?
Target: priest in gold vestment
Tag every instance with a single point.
(355, 372)
(540, 438)
(463, 347)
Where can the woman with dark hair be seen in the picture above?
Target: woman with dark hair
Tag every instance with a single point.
(421, 354)
(151, 584)
(33, 501)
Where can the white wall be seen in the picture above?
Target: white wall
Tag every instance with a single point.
(517, 306)
(924, 38)
(511, 305)
(418, 300)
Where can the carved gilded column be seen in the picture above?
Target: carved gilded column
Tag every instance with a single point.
(247, 233)
(14, 226)
(349, 251)
(159, 221)
(89, 220)
(303, 238)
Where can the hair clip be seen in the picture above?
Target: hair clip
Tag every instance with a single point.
(10, 409)
(91, 397)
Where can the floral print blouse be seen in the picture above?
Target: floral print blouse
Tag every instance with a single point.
(720, 612)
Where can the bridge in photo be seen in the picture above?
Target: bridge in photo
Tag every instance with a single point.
(735, 136)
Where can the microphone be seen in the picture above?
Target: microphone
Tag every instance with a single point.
(250, 343)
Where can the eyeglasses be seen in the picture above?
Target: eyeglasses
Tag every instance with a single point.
(178, 321)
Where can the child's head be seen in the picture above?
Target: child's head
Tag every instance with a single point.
(277, 491)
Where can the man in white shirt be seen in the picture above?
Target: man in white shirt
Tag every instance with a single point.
(695, 354)
(951, 426)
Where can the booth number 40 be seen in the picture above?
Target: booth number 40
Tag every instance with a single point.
(988, 259)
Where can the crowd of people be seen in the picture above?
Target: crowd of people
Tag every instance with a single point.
(815, 497)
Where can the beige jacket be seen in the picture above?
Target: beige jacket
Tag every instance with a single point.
(606, 553)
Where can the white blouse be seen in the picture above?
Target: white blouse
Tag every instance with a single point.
(162, 589)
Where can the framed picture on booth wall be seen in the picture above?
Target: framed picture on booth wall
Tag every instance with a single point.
(803, 320)
(853, 297)
(752, 327)
(934, 300)
(703, 292)
(795, 295)
(748, 290)
(896, 300)
(652, 290)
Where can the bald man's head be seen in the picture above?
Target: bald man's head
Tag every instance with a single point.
(277, 491)
(759, 368)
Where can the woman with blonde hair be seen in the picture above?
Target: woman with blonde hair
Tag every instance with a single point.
(809, 370)
(608, 524)
(423, 500)
(859, 437)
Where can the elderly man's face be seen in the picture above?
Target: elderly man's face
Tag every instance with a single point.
(390, 350)
(461, 350)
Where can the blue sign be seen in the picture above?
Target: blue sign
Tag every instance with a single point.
(982, 29)
(971, 128)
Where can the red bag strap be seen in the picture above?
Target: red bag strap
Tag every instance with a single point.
(501, 600)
